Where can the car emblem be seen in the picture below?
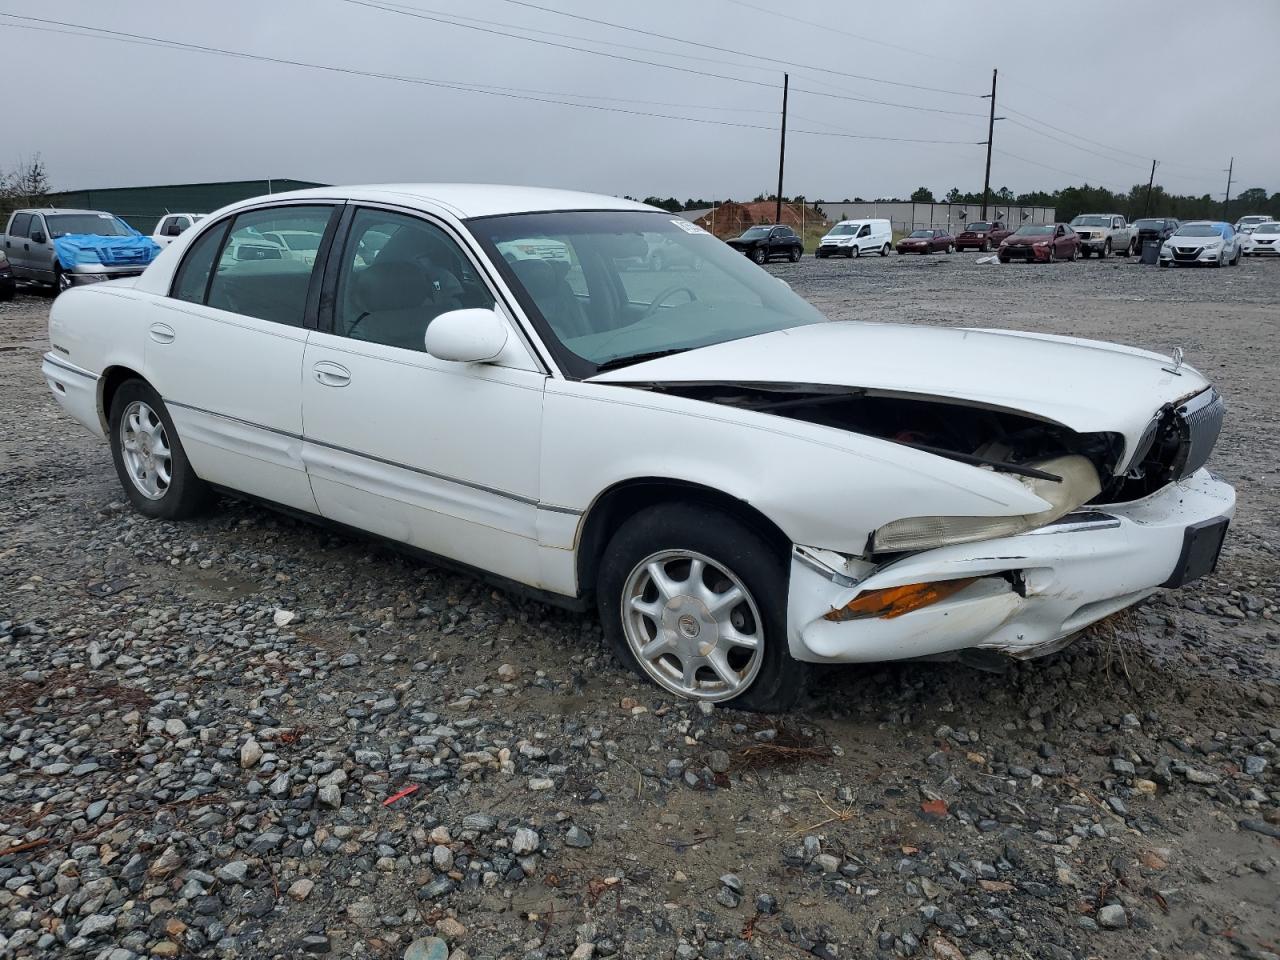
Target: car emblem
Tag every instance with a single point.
(1177, 362)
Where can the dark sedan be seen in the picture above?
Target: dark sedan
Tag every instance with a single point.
(1040, 242)
(8, 286)
(927, 241)
(1158, 229)
(763, 243)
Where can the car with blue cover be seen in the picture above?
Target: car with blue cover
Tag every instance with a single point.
(64, 248)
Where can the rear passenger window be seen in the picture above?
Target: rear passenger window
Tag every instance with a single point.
(21, 224)
(259, 277)
(193, 275)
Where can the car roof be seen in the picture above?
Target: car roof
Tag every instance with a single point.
(61, 210)
(466, 200)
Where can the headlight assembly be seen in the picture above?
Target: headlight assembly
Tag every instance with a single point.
(1079, 484)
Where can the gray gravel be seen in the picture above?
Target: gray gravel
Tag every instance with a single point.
(247, 736)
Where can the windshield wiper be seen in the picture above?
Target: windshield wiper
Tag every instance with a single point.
(616, 362)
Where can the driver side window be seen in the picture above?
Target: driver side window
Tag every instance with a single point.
(865, 231)
(397, 274)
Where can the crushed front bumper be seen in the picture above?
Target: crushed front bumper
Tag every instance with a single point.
(1033, 591)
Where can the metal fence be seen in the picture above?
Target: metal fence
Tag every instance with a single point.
(906, 215)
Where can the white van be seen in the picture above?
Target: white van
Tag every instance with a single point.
(853, 238)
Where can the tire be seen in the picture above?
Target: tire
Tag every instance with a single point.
(1105, 251)
(1128, 249)
(1075, 251)
(1164, 263)
(951, 248)
(985, 248)
(673, 535)
(61, 281)
(758, 255)
(1053, 253)
(794, 255)
(1004, 259)
(1217, 264)
(855, 251)
(183, 494)
(884, 251)
(819, 255)
(1235, 261)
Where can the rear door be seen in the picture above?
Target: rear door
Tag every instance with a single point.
(17, 243)
(225, 352)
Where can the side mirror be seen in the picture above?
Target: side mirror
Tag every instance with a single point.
(39, 238)
(470, 335)
(173, 230)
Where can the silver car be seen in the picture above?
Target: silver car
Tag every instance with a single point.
(28, 243)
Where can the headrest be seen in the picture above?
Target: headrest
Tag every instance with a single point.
(538, 277)
(392, 285)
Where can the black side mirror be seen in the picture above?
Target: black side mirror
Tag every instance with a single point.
(39, 238)
(173, 230)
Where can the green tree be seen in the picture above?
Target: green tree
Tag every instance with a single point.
(954, 195)
(922, 195)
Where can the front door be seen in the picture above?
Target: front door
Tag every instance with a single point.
(443, 456)
(39, 251)
(225, 349)
(17, 243)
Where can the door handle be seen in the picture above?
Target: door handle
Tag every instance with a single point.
(332, 374)
(161, 333)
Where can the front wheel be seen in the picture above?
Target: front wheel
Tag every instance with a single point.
(1075, 250)
(758, 255)
(1235, 261)
(794, 255)
(985, 247)
(61, 280)
(951, 248)
(1105, 251)
(855, 251)
(695, 601)
(149, 458)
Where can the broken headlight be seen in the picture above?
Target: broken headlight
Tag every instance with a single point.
(1078, 485)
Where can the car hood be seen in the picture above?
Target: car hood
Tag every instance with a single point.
(740, 243)
(1085, 385)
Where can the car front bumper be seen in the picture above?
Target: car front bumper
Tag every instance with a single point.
(86, 273)
(1033, 591)
(1206, 256)
(1263, 250)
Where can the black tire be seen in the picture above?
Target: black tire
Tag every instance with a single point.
(727, 541)
(1235, 261)
(186, 494)
(1003, 259)
(61, 281)
(1075, 251)
(1165, 263)
(758, 255)
(1105, 251)
(951, 248)
(819, 255)
(7, 292)
(884, 251)
(985, 248)
(795, 254)
(855, 251)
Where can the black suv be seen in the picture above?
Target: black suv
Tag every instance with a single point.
(762, 243)
(1158, 229)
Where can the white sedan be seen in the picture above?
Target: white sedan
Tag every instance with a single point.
(1264, 241)
(1209, 243)
(737, 484)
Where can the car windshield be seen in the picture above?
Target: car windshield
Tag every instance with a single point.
(755, 233)
(1253, 219)
(1149, 224)
(843, 230)
(1268, 228)
(95, 224)
(922, 233)
(1035, 230)
(1199, 230)
(1091, 221)
(980, 227)
(596, 306)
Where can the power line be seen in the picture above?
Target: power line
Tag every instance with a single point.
(741, 53)
(102, 33)
(1069, 173)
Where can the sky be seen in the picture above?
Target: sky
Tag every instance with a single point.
(1091, 90)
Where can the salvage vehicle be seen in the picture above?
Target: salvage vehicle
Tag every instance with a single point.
(738, 485)
(1103, 234)
(927, 241)
(762, 243)
(1247, 223)
(171, 225)
(1045, 242)
(853, 238)
(1202, 243)
(8, 286)
(1264, 241)
(982, 235)
(64, 247)
(1157, 229)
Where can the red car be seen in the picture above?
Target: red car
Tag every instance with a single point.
(927, 241)
(982, 235)
(1040, 242)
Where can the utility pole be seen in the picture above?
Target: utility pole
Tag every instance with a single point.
(1146, 204)
(991, 129)
(1226, 199)
(782, 147)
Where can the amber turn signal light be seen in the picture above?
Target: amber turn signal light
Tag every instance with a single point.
(895, 601)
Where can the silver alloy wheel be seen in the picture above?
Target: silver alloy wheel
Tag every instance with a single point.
(62, 281)
(144, 446)
(692, 625)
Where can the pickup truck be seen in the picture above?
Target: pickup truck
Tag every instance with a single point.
(105, 247)
(1103, 234)
(982, 235)
(172, 225)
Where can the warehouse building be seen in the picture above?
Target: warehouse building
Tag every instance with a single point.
(142, 207)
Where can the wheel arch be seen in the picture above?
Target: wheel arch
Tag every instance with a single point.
(627, 497)
(108, 384)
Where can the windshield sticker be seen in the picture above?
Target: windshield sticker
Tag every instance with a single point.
(688, 227)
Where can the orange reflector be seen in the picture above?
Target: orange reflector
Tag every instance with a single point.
(895, 601)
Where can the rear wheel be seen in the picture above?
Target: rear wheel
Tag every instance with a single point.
(884, 251)
(149, 458)
(695, 601)
(758, 255)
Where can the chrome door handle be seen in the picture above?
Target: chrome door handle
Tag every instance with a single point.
(332, 374)
(162, 333)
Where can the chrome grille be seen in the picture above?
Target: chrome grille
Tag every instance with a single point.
(1202, 417)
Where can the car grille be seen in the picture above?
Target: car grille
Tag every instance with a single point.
(1201, 417)
(1186, 253)
(111, 255)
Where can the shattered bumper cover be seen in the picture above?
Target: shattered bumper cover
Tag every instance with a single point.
(1033, 591)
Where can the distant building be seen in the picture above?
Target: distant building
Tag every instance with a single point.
(142, 207)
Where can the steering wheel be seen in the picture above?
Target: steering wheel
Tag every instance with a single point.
(664, 296)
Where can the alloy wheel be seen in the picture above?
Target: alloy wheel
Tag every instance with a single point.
(692, 625)
(145, 447)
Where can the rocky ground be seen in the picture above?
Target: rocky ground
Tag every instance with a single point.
(250, 737)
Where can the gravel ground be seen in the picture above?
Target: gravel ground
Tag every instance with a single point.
(248, 736)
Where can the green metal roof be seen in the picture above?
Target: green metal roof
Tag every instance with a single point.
(142, 207)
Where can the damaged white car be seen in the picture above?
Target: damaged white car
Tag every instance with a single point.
(740, 486)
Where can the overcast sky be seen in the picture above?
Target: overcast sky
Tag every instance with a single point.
(1154, 79)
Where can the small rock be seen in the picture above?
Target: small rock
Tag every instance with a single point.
(1113, 917)
(507, 673)
(450, 929)
(525, 841)
(235, 871)
(250, 753)
(301, 889)
(427, 948)
(577, 837)
(718, 761)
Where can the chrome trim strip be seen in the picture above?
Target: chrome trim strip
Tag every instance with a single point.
(391, 463)
(54, 361)
(1078, 523)
(807, 559)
